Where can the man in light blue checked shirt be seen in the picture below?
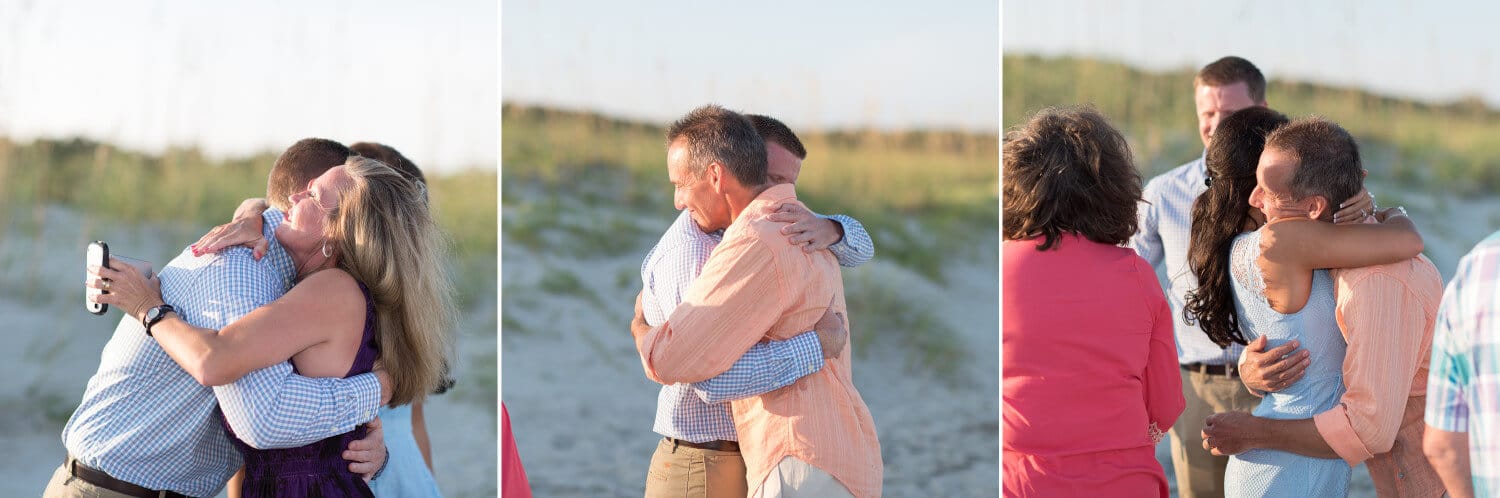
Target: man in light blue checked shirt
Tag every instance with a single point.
(699, 455)
(1463, 380)
(147, 428)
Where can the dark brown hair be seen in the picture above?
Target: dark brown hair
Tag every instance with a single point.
(1068, 170)
(1222, 212)
(1230, 70)
(715, 134)
(299, 164)
(773, 130)
(1327, 158)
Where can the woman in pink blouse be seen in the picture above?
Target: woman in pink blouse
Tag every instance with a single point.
(1091, 379)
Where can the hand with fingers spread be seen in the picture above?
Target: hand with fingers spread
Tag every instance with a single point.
(805, 228)
(833, 333)
(1274, 369)
(246, 231)
(125, 287)
(367, 456)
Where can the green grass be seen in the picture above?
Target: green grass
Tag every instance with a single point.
(1449, 146)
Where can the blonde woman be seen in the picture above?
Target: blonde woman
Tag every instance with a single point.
(369, 283)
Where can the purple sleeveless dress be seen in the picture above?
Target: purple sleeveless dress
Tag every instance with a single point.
(318, 469)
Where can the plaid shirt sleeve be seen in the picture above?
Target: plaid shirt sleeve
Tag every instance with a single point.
(764, 368)
(1449, 370)
(855, 248)
(274, 407)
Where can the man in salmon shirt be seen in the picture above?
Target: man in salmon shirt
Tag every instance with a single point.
(1387, 314)
(814, 437)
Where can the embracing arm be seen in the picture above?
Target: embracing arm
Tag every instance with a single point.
(1310, 245)
(728, 309)
(841, 235)
(766, 367)
(276, 408)
(855, 247)
(308, 315)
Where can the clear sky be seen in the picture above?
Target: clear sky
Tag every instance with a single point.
(1430, 51)
(823, 64)
(239, 77)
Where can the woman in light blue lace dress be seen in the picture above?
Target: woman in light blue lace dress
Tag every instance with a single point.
(1268, 282)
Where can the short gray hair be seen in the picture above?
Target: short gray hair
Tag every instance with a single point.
(1327, 157)
(716, 134)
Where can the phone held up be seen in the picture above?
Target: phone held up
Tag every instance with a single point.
(98, 255)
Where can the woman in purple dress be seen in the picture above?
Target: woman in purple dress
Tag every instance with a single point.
(369, 283)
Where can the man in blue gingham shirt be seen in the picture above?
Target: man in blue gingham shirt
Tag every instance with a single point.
(145, 421)
(1463, 402)
(1210, 383)
(699, 412)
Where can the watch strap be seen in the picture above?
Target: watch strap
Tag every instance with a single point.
(156, 315)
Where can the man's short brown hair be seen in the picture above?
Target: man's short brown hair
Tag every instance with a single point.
(1327, 158)
(1230, 70)
(773, 130)
(299, 164)
(1068, 170)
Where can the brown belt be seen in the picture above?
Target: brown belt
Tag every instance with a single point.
(1222, 370)
(719, 445)
(99, 478)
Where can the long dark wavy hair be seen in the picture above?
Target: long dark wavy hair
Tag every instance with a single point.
(1222, 212)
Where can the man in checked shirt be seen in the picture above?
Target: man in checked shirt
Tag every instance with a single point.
(147, 428)
(811, 438)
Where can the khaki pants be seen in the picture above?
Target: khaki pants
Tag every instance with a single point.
(66, 486)
(794, 478)
(1200, 474)
(684, 472)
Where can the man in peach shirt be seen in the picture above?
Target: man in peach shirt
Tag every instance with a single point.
(814, 437)
(1386, 313)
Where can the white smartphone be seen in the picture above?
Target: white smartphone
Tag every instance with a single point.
(98, 255)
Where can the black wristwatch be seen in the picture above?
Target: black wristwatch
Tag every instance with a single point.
(155, 315)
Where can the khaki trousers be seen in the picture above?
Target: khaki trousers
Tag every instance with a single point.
(1200, 474)
(66, 486)
(683, 472)
(794, 478)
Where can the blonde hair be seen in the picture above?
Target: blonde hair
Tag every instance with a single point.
(387, 239)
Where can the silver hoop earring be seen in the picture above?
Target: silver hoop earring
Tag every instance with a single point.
(327, 253)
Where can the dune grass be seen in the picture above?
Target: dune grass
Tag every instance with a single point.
(579, 185)
(947, 181)
(184, 187)
(1448, 146)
